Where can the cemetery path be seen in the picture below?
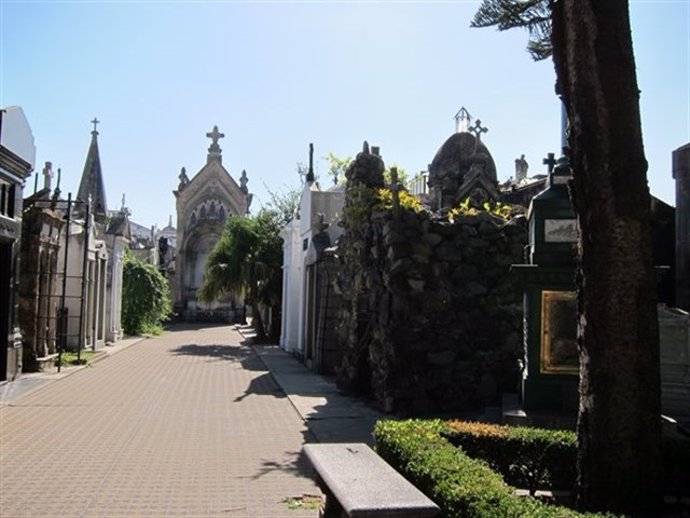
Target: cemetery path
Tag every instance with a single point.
(187, 424)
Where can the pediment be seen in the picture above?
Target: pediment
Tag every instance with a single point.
(213, 176)
(212, 182)
(478, 182)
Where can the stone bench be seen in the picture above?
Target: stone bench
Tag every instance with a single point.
(357, 482)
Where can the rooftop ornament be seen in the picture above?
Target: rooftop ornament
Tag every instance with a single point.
(478, 129)
(462, 121)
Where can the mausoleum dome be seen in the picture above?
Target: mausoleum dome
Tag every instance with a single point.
(457, 154)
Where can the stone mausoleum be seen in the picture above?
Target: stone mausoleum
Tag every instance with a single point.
(204, 202)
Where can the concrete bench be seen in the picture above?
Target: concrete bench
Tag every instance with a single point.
(357, 482)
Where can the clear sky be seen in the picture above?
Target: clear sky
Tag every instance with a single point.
(275, 76)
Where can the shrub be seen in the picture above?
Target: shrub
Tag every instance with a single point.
(530, 458)
(460, 486)
(536, 458)
(145, 297)
(500, 210)
(407, 200)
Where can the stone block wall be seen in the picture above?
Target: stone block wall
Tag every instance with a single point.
(434, 320)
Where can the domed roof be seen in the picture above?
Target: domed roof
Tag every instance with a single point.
(456, 156)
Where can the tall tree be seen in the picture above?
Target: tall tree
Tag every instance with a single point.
(247, 261)
(619, 414)
(284, 205)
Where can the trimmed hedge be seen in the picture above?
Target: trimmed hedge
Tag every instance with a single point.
(461, 486)
(536, 458)
(531, 458)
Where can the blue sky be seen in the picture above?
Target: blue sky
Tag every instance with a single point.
(275, 76)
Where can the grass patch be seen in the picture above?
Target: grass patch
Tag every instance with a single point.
(303, 502)
(70, 358)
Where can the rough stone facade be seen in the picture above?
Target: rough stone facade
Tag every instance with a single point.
(432, 317)
(38, 280)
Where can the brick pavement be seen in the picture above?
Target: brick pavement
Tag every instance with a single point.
(187, 424)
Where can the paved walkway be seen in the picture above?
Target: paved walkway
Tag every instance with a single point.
(187, 424)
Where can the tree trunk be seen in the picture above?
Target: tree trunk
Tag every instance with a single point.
(619, 425)
(258, 322)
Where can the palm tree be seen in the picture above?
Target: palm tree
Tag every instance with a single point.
(246, 261)
(619, 427)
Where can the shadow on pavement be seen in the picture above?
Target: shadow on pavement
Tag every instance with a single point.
(264, 385)
(218, 352)
(298, 464)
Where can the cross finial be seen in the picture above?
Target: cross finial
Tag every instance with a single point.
(95, 123)
(550, 161)
(214, 149)
(215, 135)
(477, 129)
(47, 175)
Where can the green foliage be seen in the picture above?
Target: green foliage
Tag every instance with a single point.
(284, 205)
(461, 486)
(464, 209)
(85, 357)
(498, 209)
(145, 297)
(337, 167)
(537, 458)
(531, 458)
(533, 15)
(407, 201)
(247, 260)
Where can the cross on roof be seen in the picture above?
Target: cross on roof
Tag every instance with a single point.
(477, 129)
(550, 161)
(95, 123)
(215, 135)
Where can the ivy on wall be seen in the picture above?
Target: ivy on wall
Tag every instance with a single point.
(145, 297)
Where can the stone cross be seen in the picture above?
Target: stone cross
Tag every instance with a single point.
(550, 161)
(395, 188)
(477, 129)
(214, 149)
(47, 175)
(215, 135)
(95, 123)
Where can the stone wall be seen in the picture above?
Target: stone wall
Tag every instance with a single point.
(433, 318)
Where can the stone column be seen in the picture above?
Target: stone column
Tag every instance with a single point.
(43, 301)
(681, 174)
